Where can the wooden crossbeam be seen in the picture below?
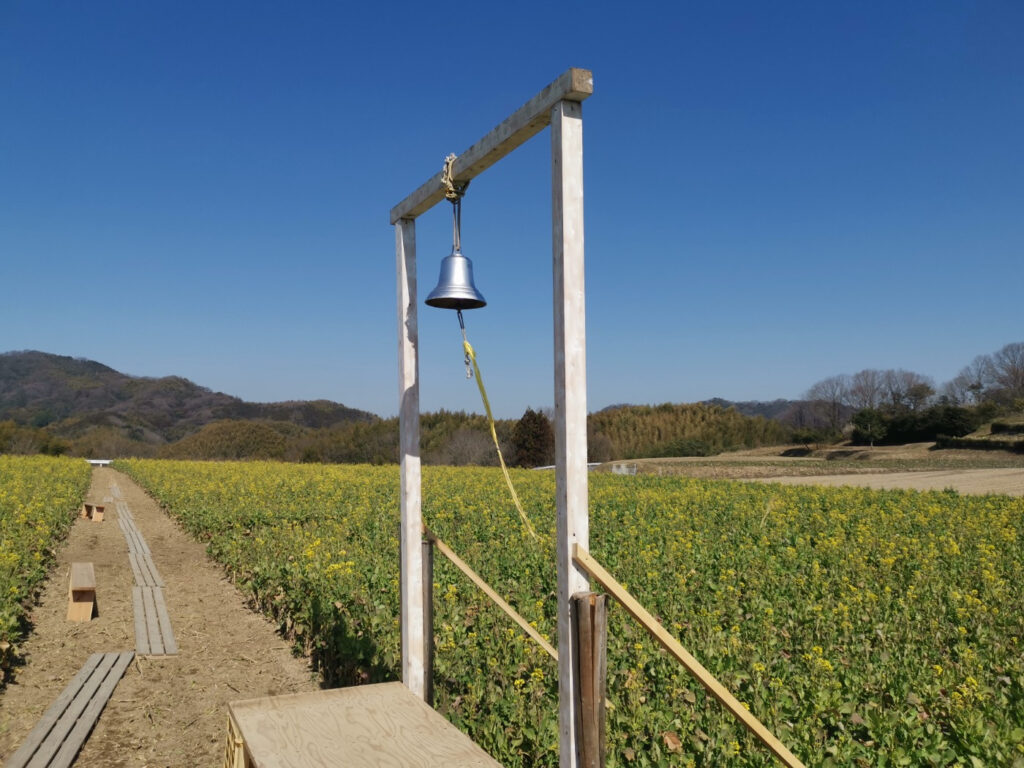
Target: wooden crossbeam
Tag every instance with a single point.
(62, 730)
(526, 122)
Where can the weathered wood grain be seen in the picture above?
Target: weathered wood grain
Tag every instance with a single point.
(156, 643)
(142, 646)
(590, 642)
(53, 713)
(51, 745)
(526, 122)
(411, 565)
(573, 521)
(164, 621)
(80, 732)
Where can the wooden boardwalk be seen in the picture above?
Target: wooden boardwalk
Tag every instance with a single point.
(153, 633)
(64, 727)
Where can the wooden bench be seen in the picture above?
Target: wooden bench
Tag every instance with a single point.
(358, 727)
(92, 512)
(81, 592)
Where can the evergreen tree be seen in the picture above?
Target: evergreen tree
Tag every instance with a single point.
(533, 440)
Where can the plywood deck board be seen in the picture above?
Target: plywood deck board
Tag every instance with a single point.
(370, 725)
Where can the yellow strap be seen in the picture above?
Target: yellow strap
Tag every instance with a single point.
(494, 435)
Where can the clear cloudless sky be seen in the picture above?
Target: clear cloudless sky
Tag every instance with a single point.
(774, 192)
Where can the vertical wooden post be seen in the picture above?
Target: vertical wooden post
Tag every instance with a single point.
(570, 401)
(428, 622)
(590, 625)
(411, 576)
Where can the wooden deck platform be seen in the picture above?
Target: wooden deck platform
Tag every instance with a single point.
(153, 633)
(64, 727)
(358, 727)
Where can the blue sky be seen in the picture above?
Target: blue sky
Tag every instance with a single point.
(775, 192)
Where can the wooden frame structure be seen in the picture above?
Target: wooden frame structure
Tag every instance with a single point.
(557, 105)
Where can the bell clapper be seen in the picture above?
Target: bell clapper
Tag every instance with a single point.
(469, 363)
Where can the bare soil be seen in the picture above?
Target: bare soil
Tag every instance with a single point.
(973, 481)
(917, 465)
(168, 711)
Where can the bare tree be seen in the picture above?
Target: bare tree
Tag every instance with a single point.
(958, 390)
(829, 397)
(465, 446)
(976, 379)
(865, 389)
(906, 390)
(1007, 371)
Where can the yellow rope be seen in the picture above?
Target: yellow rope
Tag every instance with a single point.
(494, 435)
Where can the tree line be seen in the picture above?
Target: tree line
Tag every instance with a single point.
(446, 437)
(899, 406)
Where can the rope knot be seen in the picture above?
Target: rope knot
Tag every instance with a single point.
(453, 190)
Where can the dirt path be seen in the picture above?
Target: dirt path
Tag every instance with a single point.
(976, 481)
(167, 712)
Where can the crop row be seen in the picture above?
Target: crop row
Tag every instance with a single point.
(863, 627)
(38, 498)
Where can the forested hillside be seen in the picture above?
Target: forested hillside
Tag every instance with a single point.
(645, 431)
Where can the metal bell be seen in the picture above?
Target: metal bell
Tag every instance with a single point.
(455, 289)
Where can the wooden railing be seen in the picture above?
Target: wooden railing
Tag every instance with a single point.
(590, 636)
(585, 561)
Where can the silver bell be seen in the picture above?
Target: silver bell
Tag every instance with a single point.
(455, 289)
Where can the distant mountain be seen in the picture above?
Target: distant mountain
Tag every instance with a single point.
(72, 396)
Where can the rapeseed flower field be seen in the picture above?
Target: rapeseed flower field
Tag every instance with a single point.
(39, 497)
(863, 627)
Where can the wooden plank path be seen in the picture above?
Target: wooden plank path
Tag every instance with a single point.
(64, 727)
(153, 633)
(139, 555)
